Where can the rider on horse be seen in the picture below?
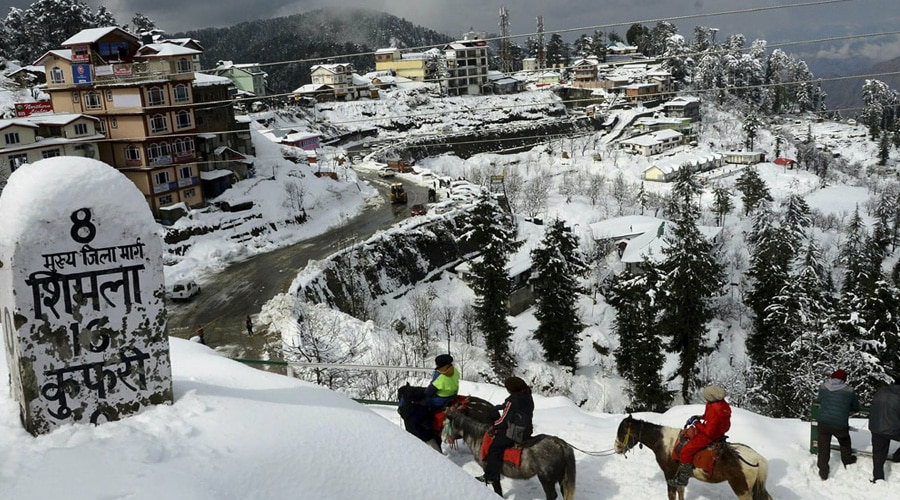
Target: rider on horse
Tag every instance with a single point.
(706, 429)
(444, 382)
(513, 427)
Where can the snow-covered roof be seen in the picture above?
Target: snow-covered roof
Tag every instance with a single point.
(653, 137)
(681, 100)
(215, 174)
(60, 53)
(92, 35)
(59, 118)
(165, 50)
(22, 122)
(205, 79)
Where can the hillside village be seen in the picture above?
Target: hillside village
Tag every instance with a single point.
(185, 136)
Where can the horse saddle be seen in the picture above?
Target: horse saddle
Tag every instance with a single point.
(704, 459)
(512, 455)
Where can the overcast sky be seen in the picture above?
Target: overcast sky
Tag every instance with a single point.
(794, 24)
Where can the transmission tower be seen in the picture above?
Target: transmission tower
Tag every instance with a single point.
(506, 63)
(540, 42)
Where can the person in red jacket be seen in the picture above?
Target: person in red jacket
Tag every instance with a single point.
(711, 426)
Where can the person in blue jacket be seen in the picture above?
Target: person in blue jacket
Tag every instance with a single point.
(836, 402)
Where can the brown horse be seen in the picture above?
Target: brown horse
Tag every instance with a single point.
(419, 420)
(743, 468)
(548, 457)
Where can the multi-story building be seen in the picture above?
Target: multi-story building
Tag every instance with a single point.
(27, 140)
(142, 96)
(467, 65)
(249, 78)
(337, 76)
(409, 65)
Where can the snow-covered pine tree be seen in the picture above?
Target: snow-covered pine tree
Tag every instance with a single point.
(488, 228)
(753, 189)
(639, 357)
(690, 277)
(556, 266)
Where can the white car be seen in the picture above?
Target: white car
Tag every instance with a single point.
(385, 172)
(184, 290)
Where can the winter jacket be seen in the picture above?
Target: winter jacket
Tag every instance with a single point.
(518, 409)
(836, 402)
(884, 415)
(716, 420)
(442, 388)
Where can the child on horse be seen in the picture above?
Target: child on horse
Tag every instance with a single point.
(706, 429)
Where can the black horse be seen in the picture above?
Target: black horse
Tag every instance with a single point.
(549, 458)
(420, 420)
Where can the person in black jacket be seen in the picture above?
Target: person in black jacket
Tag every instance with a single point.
(513, 426)
(884, 424)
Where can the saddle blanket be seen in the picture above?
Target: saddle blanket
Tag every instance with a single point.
(704, 459)
(511, 455)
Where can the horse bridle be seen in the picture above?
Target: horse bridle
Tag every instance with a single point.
(628, 437)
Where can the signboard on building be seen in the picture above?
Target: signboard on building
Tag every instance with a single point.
(24, 109)
(81, 74)
(81, 296)
(81, 53)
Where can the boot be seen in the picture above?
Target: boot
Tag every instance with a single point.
(682, 476)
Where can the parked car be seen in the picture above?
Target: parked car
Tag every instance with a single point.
(184, 290)
(418, 209)
(385, 172)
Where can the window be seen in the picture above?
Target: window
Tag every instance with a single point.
(190, 193)
(101, 127)
(50, 153)
(159, 123)
(75, 97)
(16, 161)
(162, 178)
(159, 152)
(81, 129)
(11, 137)
(109, 95)
(183, 119)
(184, 65)
(181, 93)
(113, 122)
(185, 145)
(132, 153)
(92, 100)
(156, 96)
(57, 75)
(165, 200)
(186, 172)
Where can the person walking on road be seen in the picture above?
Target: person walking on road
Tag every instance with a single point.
(836, 402)
(884, 424)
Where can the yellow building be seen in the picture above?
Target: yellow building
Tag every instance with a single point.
(410, 65)
(143, 97)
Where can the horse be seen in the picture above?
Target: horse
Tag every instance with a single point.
(424, 424)
(744, 469)
(548, 457)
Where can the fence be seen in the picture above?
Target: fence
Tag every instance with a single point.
(814, 430)
(291, 365)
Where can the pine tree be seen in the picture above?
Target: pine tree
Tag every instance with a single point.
(556, 266)
(488, 228)
(722, 204)
(639, 357)
(753, 189)
(691, 276)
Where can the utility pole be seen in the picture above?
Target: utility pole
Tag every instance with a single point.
(506, 64)
(540, 41)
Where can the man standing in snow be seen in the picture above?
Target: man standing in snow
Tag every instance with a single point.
(884, 424)
(836, 402)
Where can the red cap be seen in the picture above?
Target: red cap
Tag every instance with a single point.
(841, 374)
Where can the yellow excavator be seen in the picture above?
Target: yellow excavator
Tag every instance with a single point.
(398, 194)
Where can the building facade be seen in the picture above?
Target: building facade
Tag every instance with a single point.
(467, 66)
(142, 96)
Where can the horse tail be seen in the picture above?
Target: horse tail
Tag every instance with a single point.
(759, 486)
(568, 480)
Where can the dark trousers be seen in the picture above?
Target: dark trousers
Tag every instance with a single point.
(493, 462)
(824, 444)
(880, 445)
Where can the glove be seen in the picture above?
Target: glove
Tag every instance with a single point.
(693, 420)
